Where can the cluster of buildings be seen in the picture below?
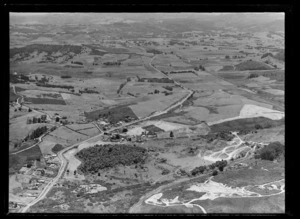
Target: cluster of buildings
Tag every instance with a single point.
(105, 124)
(117, 137)
(38, 176)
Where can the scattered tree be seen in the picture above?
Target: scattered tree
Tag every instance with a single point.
(171, 134)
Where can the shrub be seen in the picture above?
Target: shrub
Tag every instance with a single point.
(215, 173)
(253, 75)
(65, 76)
(57, 148)
(198, 170)
(171, 134)
(165, 172)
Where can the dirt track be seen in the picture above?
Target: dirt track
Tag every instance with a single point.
(214, 190)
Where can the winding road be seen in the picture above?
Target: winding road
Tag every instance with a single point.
(64, 162)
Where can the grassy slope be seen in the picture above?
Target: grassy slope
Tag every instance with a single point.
(252, 65)
(246, 124)
(16, 161)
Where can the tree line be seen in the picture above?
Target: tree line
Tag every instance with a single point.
(36, 133)
(201, 169)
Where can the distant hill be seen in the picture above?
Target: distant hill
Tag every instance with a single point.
(158, 22)
(252, 65)
(66, 51)
(266, 55)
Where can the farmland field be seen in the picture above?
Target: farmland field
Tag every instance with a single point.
(167, 113)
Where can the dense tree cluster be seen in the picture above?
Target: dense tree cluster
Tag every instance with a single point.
(253, 75)
(107, 156)
(183, 71)
(65, 76)
(200, 170)
(36, 133)
(270, 152)
(55, 86)
(222, 135)
(57, 148)
(156, 80)
(88, 91)
(200, 67)
(168, 88)
(112, 63)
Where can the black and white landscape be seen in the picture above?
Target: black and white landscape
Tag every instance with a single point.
(147, 113)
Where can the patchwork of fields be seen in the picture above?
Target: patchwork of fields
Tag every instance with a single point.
(153, 113)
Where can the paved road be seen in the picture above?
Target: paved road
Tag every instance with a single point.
(64, 162)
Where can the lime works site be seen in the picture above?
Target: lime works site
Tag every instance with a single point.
(147, 113)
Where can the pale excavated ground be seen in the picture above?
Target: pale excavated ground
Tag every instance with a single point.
(250, 111)
(66, 96)
(255, 111)
(136, 131)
